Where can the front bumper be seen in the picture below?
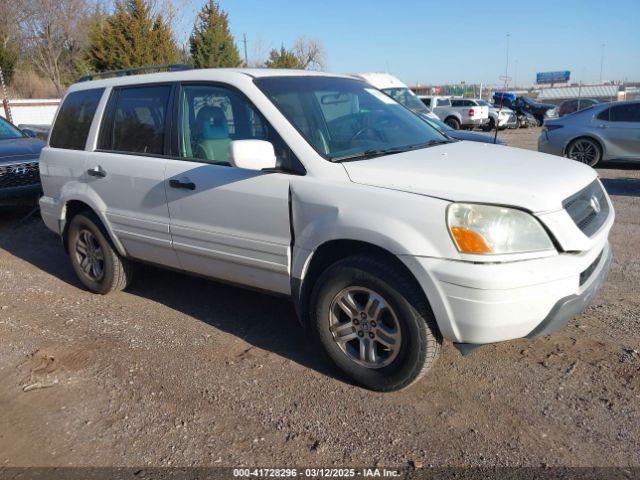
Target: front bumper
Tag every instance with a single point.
(485, 303)
(21, 195)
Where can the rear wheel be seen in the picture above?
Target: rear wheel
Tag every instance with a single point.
(453, 122)
(374, 323)
(489, 126)
(94, 259)
(585, 150)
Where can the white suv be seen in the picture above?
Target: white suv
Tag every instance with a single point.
(388, 236)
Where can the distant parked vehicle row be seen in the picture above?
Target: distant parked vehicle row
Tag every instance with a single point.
(19, 172)
(605, 131)
(458, 113)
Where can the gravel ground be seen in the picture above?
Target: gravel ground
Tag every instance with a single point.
(183, 371)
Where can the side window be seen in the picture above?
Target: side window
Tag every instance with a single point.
(456, 103)
(135, 120)
(628, 112)
(74, 119)
(443, 102)
(212, 116)
(604, 115)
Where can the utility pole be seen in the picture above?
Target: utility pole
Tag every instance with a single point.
(602, 60)
(506, 67)
(244, 40)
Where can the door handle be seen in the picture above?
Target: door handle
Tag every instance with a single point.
(178, 184)
(97, 172)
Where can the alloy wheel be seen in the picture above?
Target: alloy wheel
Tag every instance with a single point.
(584, 151)
(365, 327)
(89, 255)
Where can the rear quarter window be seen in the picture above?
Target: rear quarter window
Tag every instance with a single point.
(74, 119)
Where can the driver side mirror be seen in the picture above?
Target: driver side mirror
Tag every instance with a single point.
(252, 154)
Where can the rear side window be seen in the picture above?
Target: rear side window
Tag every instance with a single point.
(604, 115)
(74, 119)
(628, 112)
(135, 120)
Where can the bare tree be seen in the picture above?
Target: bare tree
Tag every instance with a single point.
(309, 53)
(55, 33)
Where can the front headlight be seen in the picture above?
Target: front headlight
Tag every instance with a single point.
(489, 229)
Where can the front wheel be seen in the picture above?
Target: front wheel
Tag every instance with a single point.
(96, 262)
(374, 323)
(585, 150)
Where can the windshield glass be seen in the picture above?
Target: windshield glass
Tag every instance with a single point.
(483, 103)
(440, 125)
(8, 131)
(407, 98)
(345, 119)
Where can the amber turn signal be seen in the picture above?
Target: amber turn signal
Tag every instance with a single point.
(469, 241)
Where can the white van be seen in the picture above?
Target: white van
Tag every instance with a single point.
(387, 236)
(397, 90)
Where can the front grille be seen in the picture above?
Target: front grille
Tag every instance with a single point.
(588, 208)
(584, 276)
(19, 175)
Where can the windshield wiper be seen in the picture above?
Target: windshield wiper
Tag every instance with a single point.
(372, 153)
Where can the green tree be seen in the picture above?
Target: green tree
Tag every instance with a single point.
(283, 59)
(131, 37)
(211, 43)
(8, 59)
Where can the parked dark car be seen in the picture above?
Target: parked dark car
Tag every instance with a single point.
(522, 104)
(19, 172)
(575, 105)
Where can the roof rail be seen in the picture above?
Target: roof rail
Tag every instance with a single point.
(174, 67)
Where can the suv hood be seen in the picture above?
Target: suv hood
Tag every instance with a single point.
(475, 172)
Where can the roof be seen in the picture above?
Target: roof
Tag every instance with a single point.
(380, 80)
(590, 91)
(211, 74)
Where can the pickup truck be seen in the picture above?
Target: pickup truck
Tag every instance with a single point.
(457, 113)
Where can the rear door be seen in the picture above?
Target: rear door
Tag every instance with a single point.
(127, 170)
(622, 130)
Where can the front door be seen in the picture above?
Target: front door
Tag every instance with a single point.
(226, 222)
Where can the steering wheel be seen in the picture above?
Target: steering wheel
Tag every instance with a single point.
(363, 130)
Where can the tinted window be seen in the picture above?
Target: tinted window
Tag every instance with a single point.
(74, 119)
(443, 102)
(135, 120)
(604, 115)
(629, 112)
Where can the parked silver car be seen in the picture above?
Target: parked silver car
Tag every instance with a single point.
(607, 131)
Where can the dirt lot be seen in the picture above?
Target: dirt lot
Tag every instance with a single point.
(183, 371)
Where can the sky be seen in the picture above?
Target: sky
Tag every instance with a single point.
(436, 42)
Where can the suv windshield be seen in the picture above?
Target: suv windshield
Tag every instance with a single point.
(407, 98)
(8, 131)
(347, 119)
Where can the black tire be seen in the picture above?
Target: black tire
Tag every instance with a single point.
(116, 271)
(539, 120)
(453, 123)
(589, 153)
(420, 341)
(489, 126)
